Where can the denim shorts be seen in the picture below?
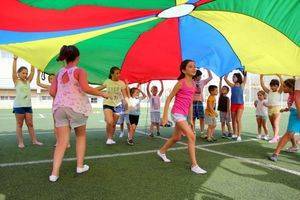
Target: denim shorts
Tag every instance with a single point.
(22, 110)
(117, 110)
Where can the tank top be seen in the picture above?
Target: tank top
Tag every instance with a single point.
(23, 94)
(154, 103)
(237, 96)
(70, 94)
(274, 98)
(223, 103)
(183, 98)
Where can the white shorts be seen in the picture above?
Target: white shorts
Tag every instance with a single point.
(65, 116)
(155, 117)
(176, 117)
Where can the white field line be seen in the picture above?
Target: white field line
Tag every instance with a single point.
(264, 165)
(247, 160)
(42, 116)
(87, 157)
(47, 132)
(103, 156)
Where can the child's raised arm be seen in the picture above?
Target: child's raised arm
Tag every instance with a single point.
(280, 90)
(162, 88)
(14, 70)
(228, 82)
(245, 78)
(209, 76)
(31, 75)
(220, 86)
(262, 83)
(38, 81)
(143, 94)
(148, 89)
(168, 101)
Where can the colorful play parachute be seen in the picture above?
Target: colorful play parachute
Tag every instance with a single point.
(149, 38)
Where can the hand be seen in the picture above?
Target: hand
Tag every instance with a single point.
(192, 124)
(126, 81)
(216, 114)
(164, 121)
(15, 57)
(105, 95)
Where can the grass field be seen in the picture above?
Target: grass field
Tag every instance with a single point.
(236, 170)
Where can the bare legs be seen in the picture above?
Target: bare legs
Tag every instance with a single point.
(20, 118)
(184, 127)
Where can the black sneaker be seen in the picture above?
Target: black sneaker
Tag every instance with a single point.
(273, 158)
(224, 135)
(151, 135)
(229, 135)
(130, 142)
(158, 133)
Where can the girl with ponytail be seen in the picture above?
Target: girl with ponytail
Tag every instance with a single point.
(71, 108)
(182, 114)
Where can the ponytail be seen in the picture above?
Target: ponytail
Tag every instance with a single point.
(68, 53)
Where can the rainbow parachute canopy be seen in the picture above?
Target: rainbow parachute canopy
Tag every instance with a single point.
(149, 39)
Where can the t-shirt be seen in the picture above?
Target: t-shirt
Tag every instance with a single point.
(211, 101)
(114, 90)
(134, 106)
(198, 96)
(223, 103)
(274, 98)
(154, 103)
(261, 109)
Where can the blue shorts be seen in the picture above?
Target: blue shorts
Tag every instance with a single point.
(294, 122)
(22, 110)
(117, 110)
(198, 110)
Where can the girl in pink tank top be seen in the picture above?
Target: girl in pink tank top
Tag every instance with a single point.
(182, 114)
(71, 108)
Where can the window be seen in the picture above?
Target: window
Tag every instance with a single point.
(45, 98)
(3, 97)
(12, 97)
(94, 100)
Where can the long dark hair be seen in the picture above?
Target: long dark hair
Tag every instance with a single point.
(112, 71)
(68, 53)
(238, 77)
(183, 67)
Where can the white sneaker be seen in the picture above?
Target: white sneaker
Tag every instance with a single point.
(266, 137)
(163, 156)
(110, 141)
(239, 139)
(121, 134)
(80, 170)
(234, 136)
(259, 137)
(53, 178)
(196, 169)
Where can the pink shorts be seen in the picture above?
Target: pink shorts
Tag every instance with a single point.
(236, 107)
